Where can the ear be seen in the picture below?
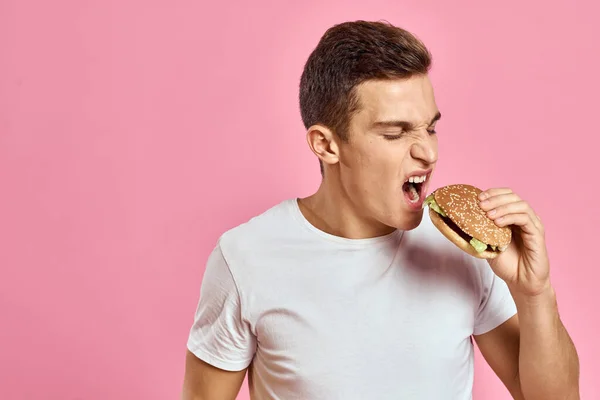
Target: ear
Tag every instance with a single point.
(323, 142)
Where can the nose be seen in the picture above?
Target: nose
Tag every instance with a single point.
(425, 150)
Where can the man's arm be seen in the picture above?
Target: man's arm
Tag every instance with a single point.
(547, 366)
(532, 354)
(220, 335)
(500, 348)
(202, 381)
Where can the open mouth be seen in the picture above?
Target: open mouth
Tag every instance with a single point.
(413, 188)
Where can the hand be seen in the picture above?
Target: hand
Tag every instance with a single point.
(524, 265)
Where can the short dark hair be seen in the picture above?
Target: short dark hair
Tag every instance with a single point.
(347, 55)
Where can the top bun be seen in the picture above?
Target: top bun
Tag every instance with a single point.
(461, 204)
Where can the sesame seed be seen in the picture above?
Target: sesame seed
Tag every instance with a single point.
(460, 202)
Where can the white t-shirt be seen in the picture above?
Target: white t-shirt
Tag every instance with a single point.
(316, 316)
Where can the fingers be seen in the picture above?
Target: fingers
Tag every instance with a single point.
(506, 208)
(499, 200)
(502, 209)
(493, 192)
(522, 220)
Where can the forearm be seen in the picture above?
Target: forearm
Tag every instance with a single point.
(548, 361)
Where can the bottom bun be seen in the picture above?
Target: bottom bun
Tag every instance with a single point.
(455, 238)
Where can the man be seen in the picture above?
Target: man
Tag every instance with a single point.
(351, 293)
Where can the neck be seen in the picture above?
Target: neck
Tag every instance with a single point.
(332, 211)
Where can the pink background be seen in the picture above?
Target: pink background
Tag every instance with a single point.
(127, 139)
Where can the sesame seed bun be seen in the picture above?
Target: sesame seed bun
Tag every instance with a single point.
(461, 205)
(455, 238)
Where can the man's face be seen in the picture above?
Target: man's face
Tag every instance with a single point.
(391, 139)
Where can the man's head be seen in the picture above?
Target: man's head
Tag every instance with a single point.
(370, 112)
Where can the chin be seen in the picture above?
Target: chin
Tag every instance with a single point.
(408, 221)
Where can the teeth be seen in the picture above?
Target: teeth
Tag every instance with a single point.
(417, 179)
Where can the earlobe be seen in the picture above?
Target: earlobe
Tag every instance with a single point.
(321, 141)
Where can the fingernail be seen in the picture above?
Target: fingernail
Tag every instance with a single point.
(483, 195)
(492, 213)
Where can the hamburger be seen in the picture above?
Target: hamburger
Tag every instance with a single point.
(455, 212)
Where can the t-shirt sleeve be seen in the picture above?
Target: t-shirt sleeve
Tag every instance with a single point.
(496, 304)
(220, 335)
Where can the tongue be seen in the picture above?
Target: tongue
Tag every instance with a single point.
(411, 191)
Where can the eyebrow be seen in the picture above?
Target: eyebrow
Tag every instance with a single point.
(406, 125)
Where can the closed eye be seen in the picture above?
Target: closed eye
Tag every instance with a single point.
(431, 131)
(392, 137)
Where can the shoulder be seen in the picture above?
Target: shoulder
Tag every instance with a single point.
(259, 228)
(261, 235)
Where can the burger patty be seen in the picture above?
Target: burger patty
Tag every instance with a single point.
(456, 229)
(463, 204)
(462, 233)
